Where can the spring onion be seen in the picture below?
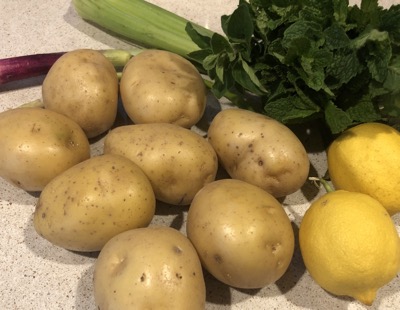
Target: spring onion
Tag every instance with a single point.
(29, 66)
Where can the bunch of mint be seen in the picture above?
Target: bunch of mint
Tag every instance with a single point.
(307, 59)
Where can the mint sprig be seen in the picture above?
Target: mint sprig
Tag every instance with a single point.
(307, 59)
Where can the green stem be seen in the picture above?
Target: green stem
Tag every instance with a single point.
(32, 104)
(324, 183)
(119, 57)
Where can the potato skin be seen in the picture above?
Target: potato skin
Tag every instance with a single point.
(259, 150)
(83, 85)
(90, 203)
(36, 145)
(162, 87)
(178, 161)
(149, 268)
(242, 234)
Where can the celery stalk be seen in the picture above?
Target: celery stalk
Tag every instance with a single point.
(141, 22)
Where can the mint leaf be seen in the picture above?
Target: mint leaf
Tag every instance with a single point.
(210, 62)
(363, 111)
(219, 70)
(337, 119)
(314, 67)
(292, 53)
(365, 16)
(340, 8)
(219, 88)
(391, 106)
(198, 36)
(245, 76)
(239, 26)
(291, 104)
(306, 29)
(290, 109)
(220, 44)
(392, 81)
(199, 56)
(343, 67)
(274, 13)
(369, 8)
(378, 55)
(336, 37)
(369, 35)
(390, 22)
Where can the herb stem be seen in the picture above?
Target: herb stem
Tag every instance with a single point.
(323, 182)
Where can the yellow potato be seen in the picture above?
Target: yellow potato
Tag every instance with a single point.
(36, 145)
(259, 150)
(178, 161)
(162, 87)
(90, 203)
(83, 85)
(149, 268)
(242, 234)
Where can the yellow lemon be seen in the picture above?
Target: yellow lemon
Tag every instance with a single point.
(366, 159)
(349, 244)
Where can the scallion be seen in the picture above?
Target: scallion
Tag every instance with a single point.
(29, 66)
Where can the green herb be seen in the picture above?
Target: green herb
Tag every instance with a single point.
(307, 59)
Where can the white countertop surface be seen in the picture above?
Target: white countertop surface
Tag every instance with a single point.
(37, 275)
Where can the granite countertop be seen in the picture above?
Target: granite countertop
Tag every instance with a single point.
(37, 275)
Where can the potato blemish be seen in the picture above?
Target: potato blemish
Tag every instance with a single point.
(218, 259)
(178, 276)
(119, 266)
(177, 249)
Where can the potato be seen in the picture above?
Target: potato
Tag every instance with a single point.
(83, 85)
(149, 268)
(178, 161)
(259, 150)
(37, 144)
(162, 87)
(95, 200)
(242, 234)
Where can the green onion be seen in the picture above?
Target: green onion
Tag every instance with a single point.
(24, 67)
(141, 22)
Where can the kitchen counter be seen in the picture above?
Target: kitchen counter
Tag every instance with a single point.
(34, 274)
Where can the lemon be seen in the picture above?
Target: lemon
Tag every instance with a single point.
(349, 245)
(366, 159)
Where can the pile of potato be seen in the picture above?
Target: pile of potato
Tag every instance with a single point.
(236, 228)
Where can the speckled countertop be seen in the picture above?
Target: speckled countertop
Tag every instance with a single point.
(37, 275)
